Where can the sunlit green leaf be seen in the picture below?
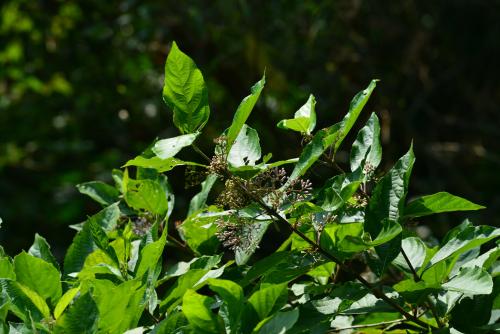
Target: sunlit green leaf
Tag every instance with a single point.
(168, 148)
(197, 309)
(437, 203)
(355, 108)
(99, 191)
(233, 298)
(146, 195)
(38, 275)
(185, 92)
(81, 317)
(465, 240)
(161, 165)
(243, 111)
(65, 300)
(245, 150)
(199, 200)
(278, 323)
(199, 233)
(304, 120)
(471, 281)
(41, 249)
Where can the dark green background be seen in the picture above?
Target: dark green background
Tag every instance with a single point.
(68, 69)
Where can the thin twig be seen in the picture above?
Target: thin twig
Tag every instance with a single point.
(382, 323)
(200, 152)
(417, 278)
(376, 291)
(432, 307)
(180, 244)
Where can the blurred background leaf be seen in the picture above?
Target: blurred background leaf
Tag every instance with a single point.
(80, 91)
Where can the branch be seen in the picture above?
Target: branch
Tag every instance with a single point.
(377, 292)
(382, 323)
(417, 278)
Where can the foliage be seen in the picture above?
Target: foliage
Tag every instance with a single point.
(350, 258)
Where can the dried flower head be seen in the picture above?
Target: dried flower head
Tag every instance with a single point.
(142, 223)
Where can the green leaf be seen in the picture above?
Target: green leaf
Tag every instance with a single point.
(437, 203)
(175, 323)
(263, 266)
(168, 148)
(312, 151)
(7, 269)
(387, 202)
(471, 281)
(150, 255)
(334, 239)
(99, 191)
(81, 317)
(199, 200)
(38, 275)
(304, 120)
(471, 313)
(180, 268)
(41, 249)
(65, 300)
(24, 302)
(485, 260)
(279, 323)
(120, 306)
(83, 244)
(183, 283)
(101, 240)
(471, 237)
(263, 300)
(197, 309)
(158, 164)
(355, 108)
(245, 150)
(185, 92)
(366, 151)
(338, 190)
(416, 251)
(295, 265)
(233, 299)
(199, 233)
(243, 111)
(147, 195)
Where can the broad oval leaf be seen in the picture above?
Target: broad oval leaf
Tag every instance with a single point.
(278, 323)
(469, 238)
(233, 299)
(245, 150)
(197, 309)
(168, 148)
(471, 281)
(100, 192)
(147, 195)
(185, 92)
(437, 203)
(38, 275)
